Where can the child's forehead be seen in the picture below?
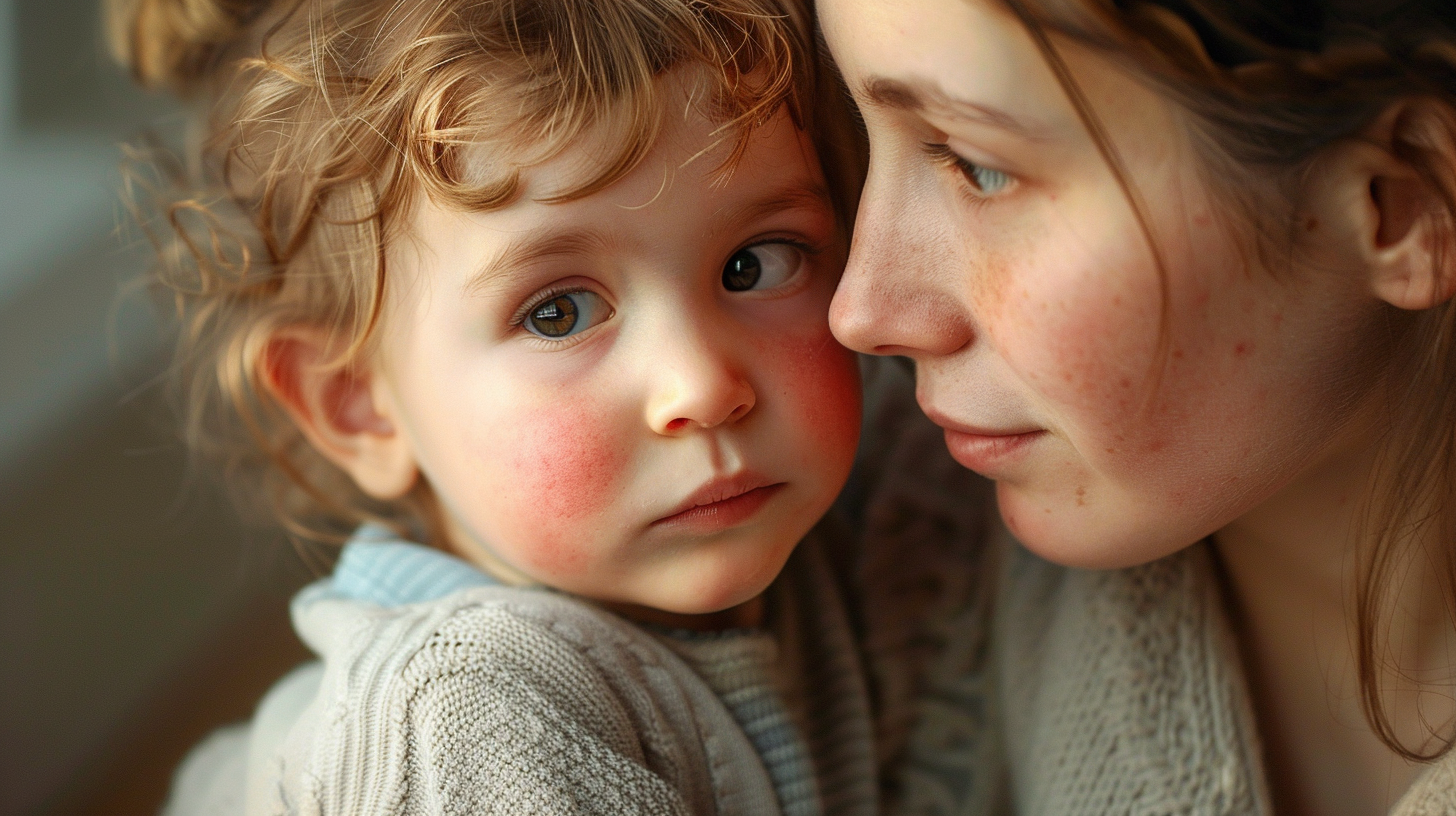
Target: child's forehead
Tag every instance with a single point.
(582, 155)
(677, 194)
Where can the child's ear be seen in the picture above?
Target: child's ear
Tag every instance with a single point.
(1398, 219)
(345, 412)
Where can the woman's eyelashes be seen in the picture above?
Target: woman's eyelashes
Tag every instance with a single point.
(762, 266)
(984, 181)
(560, 315)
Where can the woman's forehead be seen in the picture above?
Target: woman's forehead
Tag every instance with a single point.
(952, 58)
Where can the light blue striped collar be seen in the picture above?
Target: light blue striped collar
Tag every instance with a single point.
(378, 567)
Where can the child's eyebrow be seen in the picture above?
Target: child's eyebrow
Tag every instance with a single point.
(527, 248)
(802, 196)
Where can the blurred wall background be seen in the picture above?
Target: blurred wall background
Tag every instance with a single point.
(136, 612)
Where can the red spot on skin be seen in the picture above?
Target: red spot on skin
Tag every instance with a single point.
(1242, 349)
(1156, 446)
(825, 388)
(1312, 224)
(1177, 354)
(567, 464)
(1125, 382)
(1203, 219)
(1081, 497)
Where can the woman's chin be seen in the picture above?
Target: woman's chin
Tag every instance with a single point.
(1080, 532)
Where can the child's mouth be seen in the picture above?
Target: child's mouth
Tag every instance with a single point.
(721, 503)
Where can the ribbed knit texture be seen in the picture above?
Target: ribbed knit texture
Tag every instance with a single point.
(377, 567)
(493, 699)
(741, 666)
(738, 667)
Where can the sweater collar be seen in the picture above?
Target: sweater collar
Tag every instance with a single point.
(378, 567)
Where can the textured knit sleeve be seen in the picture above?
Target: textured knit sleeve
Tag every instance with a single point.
(210, 780)
(504, 701)
(506, 716)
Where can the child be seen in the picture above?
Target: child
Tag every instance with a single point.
(544, 286)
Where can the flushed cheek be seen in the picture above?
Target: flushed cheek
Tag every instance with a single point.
(819, 379)
(563, 469)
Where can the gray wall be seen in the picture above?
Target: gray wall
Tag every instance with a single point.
(135, 611)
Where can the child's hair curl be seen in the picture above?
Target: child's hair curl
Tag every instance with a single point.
(328, 118)
(1268, 85)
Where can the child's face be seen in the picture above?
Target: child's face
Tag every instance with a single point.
(995, 247)
(574, 379)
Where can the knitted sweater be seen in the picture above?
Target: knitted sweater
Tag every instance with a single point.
(1006, 684)
(492, 699)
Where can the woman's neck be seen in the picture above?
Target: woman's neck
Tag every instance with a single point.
(1292, 565)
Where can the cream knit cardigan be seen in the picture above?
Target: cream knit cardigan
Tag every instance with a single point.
(499, 700)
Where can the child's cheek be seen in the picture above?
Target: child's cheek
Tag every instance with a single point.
(821, 381)
(566, 464)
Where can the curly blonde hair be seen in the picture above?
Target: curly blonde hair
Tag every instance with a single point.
(327, 118)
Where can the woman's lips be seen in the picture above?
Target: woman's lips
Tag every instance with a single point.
(720, 504)
(986, 453)
(984, 450)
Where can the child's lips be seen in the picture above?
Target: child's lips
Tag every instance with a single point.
(721, 503)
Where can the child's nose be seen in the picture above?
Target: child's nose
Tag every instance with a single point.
(697, 386)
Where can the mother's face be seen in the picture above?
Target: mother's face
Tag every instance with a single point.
(995, 247)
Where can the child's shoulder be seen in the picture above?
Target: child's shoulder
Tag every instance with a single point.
(521, 700)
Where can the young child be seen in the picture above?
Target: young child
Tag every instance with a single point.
(533, 297)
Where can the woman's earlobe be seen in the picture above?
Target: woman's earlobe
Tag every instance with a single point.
(343, 411)
(1411, 246)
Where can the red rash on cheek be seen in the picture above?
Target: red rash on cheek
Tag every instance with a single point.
(824, 382)
(565, 466)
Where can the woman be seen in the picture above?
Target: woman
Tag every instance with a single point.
(1178, 276)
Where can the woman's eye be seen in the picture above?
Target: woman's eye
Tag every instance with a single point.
(563, 315)
(763, 266)
(987, 182)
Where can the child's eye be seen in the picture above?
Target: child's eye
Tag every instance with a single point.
(763, 266)
(564, 314)
(987, 182)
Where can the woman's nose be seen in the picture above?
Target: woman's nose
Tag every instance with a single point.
(899, 292)
(697, 384)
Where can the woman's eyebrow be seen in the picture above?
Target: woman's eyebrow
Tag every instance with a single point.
(527, 248)
(916, 96)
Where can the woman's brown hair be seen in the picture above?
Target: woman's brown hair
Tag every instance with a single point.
(325, 120)
(1269, 85)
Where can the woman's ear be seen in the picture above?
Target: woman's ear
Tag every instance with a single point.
(345, 412)
(1398, 218)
